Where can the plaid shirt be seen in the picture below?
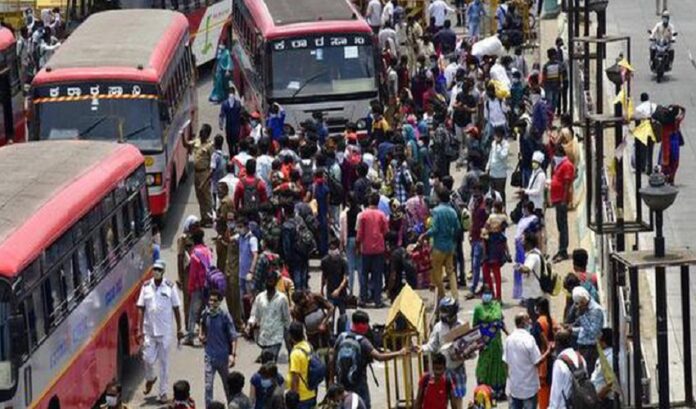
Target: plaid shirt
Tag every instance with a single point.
(402, 184)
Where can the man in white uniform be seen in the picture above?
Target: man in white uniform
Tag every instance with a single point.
(158, 303)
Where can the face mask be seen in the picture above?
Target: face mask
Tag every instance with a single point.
(266, 383)
(558, 159)
(665, 22)
(535, 165)
(111, 401)
(157, 274)
(431, 181)
(254, 123)
(528, 328)
(486, 298)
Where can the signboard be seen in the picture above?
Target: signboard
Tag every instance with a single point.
(95, 90)
(206, 30)
(350, 42)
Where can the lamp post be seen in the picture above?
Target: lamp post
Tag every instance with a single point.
(658, 196)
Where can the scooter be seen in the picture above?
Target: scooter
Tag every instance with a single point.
(661, 61)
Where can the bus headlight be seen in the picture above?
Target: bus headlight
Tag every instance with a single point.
(361, 124)
(154, 179)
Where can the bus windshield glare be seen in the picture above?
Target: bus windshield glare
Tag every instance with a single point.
(127, 120)
(326, 65)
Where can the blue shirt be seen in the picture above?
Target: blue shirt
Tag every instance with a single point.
(444, 228)
(588, 326)
(219, 332)
(230, 115)
(248, 244)
(275, 123)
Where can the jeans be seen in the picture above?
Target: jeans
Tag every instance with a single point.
(211, 368)
(439, 260)
(474, 28)
(299, 271)
(498, 184)
(529, 403)
(476, 261)
(194, 313)
(373, 268)
(354, 263)
(562, 225)
(363, 390)
(553, 95)
(340, 304)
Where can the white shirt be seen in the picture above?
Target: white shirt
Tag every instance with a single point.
(435, 343)
(159, 303)
(387, 13)
(450, 72)
(645, 110)
(521, 354)
(498, 73)
(439, 9)
(240, 161)
(536, 188)
(597, 377)
(494, 111)
(387, 38)
(562, 379)
(530, 282)
(231, 181)
(373, 14)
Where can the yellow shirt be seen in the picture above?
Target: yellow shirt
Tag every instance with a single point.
(299, 364)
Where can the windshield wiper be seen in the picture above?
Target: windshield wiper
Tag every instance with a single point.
(137, 131)
(309, 81)
(91, 127)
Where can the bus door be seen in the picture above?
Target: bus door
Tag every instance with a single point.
(7, 118)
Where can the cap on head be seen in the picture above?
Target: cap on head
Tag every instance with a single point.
(665, 14)
(538, 157)
(159, 265)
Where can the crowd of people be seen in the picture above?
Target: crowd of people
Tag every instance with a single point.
(384, 206)
(38, 39)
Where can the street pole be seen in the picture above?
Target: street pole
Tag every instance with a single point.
(661, 315)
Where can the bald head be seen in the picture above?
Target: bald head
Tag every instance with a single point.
(521, 320)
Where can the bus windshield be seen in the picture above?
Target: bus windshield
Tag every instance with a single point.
(127, 120)
(322, 66)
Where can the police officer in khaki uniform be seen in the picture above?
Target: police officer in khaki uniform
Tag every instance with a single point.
(202, 149)
(234, 294)
(224, 213)
(184, 244)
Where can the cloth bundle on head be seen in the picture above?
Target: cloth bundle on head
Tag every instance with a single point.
(580, 294)
(538, 157)
(189, 222)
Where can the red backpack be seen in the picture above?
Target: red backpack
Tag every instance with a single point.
(436, 394)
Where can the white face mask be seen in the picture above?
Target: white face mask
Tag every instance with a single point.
(111, 401)
(558, 159)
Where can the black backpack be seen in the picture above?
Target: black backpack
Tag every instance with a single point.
(547, 279)
(446, 144)
(251, 196)
(582, 392)
(307, 168)
(336, 191)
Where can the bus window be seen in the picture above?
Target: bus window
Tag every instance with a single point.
(34, 308)
(126, 218)
(83, 268)
(54, 296)
(69, 281)
(96, 251)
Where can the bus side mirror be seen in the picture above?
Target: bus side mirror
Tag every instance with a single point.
(164, 112)
(18, 336)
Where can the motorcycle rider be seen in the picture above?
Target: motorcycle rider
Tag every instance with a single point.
(663, 31)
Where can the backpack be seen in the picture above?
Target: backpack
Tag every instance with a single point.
(251, 196)
(336, 191)
(305, 244)
(288, 231)
(547, 279)
(349, 359)
(214, 277)
(307, 169)
(316, 370)
(446, 143)
(582, 392)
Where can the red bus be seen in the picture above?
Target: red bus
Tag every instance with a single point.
(127, 76)
(13, 118)
(208, 20)
(75, 247)
(311, 56)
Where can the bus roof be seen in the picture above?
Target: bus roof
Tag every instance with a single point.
(284, 18)
(6, 38)
(48, 186)
(119, 44)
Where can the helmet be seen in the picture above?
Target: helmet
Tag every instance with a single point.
(665, 14)
(448, 308)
